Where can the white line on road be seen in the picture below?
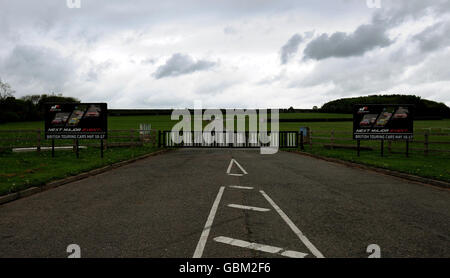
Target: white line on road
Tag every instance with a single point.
(259, 247)
(248, 208)
(240, 167)
(240, 187)
(229, 166)
(204, 236)
(294, 228)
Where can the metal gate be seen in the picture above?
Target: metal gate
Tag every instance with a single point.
(226, 139)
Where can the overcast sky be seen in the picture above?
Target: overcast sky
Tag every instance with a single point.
(226, 53)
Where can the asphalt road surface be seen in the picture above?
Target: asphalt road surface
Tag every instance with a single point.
(201, 203)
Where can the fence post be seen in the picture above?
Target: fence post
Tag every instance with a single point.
(302, 147)
(407, 147)
(38, 148)
(310, 138)
(358, 147)
(159, 138)
(132, 137)
(427, 135)
(332, 138)
(390, 146)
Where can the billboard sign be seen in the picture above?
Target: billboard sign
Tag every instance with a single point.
(383, 122)
(76, 121)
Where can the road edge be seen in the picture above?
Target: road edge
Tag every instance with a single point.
(35, 189)
(427, 181)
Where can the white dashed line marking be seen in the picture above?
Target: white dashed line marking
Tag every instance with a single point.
(204, 236)
(248, 208)
(241, 187)
(260, 247)
(294, 228)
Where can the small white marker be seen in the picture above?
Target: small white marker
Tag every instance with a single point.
(248, 208)
(240, 167)
(260, 247)
(241, 187)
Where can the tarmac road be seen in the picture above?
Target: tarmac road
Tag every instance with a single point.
(289, 205)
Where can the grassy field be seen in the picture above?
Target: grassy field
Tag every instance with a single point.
(162, 122)
(435, 166)
(22, 170)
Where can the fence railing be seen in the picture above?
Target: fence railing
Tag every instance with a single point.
(35, 138)
(425, 140)
(229, 139)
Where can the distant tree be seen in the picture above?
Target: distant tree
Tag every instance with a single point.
(424, 107)
(315, 108)
(32, 98)
(5, 90)
(27, 108)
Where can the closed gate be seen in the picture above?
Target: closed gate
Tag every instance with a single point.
(226, 139)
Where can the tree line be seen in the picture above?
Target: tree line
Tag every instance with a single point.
(423, 107)
(27, 108)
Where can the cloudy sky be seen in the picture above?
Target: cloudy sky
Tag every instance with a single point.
(226, 53)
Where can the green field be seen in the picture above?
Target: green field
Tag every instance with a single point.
(22, 170)
(162, 122)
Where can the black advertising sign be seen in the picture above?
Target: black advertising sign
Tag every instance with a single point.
(383, 122)
(76, 121)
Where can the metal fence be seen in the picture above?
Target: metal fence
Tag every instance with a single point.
(227, 139)
(426, 140)
(34, 138)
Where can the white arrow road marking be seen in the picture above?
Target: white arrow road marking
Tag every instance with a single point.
(240, 167)
(248, 208)
(204, 236)
(240, 187)
(294, 228)
(259, 247)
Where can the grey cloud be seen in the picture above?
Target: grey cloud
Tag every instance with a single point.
(149, 61)
(434, 37)
(229, 30)
(96, 70)
(340, 44)
(37, 65)
(180, 64)
(370, 36)
(290, 48)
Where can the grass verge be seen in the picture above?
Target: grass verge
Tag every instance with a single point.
(23, 170)
(434, 166)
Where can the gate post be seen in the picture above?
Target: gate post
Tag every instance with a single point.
(38, 148)
(302, 147)
(159, 138)
(358, 147)
(407, 147)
